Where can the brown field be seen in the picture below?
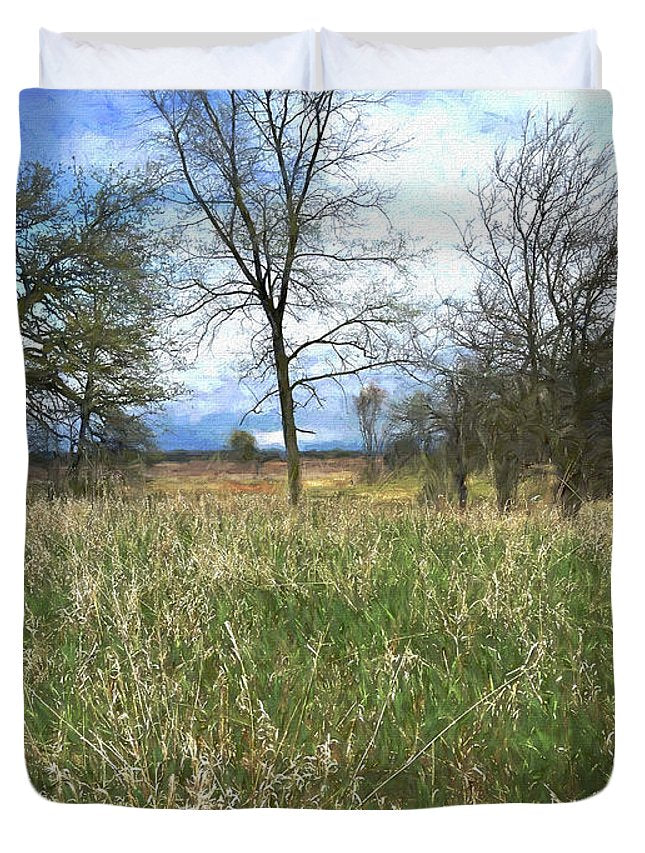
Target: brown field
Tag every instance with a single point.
(220, 475)
(322, 476)
(225, 474)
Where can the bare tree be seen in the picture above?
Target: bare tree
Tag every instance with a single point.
(443, 420)
(273, 193)
(544, 245)
(370, 409)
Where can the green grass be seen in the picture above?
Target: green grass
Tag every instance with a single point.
(212, 651)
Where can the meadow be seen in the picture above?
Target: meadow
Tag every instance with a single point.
(199, 645)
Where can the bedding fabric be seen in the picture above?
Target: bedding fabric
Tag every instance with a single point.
(319, 415)
(285, 62)
(564, 62)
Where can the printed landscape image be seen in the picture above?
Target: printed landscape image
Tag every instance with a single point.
(319, 415)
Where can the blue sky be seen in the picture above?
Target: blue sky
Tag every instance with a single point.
(452, 137)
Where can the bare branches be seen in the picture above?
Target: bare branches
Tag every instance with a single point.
(276, 183)
(540, 318)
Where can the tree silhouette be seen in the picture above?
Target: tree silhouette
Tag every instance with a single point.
(90, 304)
(272, 191)
(370, 409)
(243, 446)
(544, 245)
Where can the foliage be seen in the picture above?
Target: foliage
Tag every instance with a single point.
(400, 451)
(445, 421)
(91, 303)
(243, 446)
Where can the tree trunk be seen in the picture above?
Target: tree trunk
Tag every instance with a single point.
(85, 412)
(570, 491)
(82, 437)
(461, 468)
(462, 491)
(77, 470)
(506, 471)
(289, 432)
(371, 469)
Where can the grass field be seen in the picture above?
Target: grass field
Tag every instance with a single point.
(211, 648)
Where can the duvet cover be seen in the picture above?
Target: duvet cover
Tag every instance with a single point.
(318, 392)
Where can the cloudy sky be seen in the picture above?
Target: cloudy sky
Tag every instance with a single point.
(452, 137)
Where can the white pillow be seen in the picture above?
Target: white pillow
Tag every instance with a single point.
(565, 62)
(286, 62)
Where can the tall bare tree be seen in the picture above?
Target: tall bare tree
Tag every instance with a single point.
(273, 191)
(544, 245)
(370, 409)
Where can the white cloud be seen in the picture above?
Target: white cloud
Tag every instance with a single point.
(272, 438)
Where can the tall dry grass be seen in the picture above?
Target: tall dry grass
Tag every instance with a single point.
(212, 652)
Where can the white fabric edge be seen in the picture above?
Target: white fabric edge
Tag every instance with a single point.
(51, 42)
(332, 42)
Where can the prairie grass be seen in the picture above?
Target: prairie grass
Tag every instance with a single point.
(213, 651)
